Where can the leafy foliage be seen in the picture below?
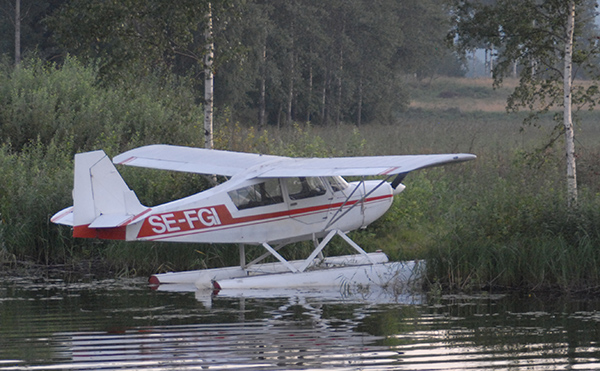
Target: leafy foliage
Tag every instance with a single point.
(43, 102)
(322, 62)
(532, 35)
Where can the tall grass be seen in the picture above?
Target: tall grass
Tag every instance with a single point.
(513, 230)
(33, 183)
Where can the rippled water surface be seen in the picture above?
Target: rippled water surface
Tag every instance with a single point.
(121, 324)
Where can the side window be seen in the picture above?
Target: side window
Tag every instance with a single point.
(337, 183)
(261, 194)
(302, 187)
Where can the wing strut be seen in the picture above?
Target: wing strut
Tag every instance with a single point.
(398, 179)
(335, 216)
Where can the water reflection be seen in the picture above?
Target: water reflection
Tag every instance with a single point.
(121, 324)
(273, 343)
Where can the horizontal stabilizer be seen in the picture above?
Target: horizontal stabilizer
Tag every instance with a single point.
(64, 217)
(110, 221)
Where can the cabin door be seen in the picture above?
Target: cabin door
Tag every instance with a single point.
(308, 199)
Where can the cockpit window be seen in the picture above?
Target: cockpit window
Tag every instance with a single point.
(303, 187)
(337, 183)
(261, 194)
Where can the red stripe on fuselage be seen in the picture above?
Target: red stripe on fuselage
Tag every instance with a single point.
(135, 217)
(212, 217)
(82, 231)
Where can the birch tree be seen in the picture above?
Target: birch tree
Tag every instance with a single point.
(567, 116)
(545, 38)
(208, 80)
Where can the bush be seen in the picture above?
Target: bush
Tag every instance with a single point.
(67, 104)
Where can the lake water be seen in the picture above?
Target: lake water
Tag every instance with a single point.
(51, 324)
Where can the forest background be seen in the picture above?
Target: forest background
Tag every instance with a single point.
(298, 78)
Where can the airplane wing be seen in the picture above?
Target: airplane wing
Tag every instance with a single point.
(191, 160)
(359, 166)
(206, 161)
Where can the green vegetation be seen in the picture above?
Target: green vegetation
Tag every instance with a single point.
(527, 35)
(275, 62)
(497, 222)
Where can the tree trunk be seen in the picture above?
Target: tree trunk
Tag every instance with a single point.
(340, 70)
(360, 100)
(310, 93)
(263, 86)
(208, 82)
(324, 100)
(533, 62)
(290, 98)
(486, 64)
(491, 69)
(568, 122)
(292, 70)
(338, 108)
(17, 32)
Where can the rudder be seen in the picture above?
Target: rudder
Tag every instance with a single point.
(102, 201)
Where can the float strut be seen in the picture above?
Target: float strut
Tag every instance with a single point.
(279, 257)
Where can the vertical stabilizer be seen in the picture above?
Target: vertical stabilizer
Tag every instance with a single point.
(101, 198)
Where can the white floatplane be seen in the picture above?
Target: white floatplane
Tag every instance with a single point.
(269, 201)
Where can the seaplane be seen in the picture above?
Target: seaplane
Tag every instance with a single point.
(266, 200)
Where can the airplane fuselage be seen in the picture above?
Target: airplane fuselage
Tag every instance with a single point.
(254, 211)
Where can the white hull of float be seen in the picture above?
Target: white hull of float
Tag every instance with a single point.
(338, 272)
(380, 274)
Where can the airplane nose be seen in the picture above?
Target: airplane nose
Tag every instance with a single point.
(399, 188)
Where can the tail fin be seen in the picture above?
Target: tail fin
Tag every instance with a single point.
(102, 201)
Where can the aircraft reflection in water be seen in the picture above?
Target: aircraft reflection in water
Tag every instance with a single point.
(269, 201)
(272, 343)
